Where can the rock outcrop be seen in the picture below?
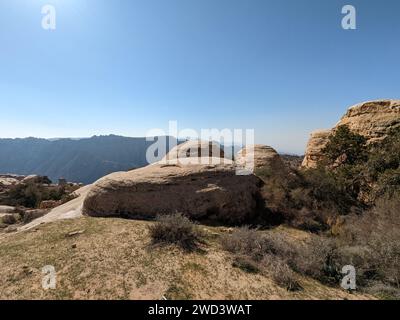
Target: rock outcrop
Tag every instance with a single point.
(195, 149)
(202, 192)
(7, 209)
(264, 157)
(373, 120)
(10, 179)
(316, 144)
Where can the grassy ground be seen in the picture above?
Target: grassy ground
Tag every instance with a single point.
(112, 259)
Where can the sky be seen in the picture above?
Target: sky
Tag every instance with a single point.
(283, 68)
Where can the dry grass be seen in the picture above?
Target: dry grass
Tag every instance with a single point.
(111, 259)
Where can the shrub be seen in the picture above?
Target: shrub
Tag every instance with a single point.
(327, 192)
(347, 145)
(31, 194)
(245, 242)
(316, 258)
(10, 219)
(372, 243)
(383, 291)
(30, 215)
(256, 244)
(176, 229)
(27, 195)
(281, 273)
(256, 252)
(245, 263)
(307, 199)
(366, 173)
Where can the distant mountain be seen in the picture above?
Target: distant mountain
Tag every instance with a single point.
(78, 160)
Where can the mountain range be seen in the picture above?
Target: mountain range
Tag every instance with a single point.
(77, 160)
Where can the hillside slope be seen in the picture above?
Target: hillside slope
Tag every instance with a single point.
(112, 259)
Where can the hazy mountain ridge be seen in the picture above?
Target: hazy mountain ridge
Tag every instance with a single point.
(84, 160)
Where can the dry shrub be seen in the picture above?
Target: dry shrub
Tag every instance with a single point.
(372, 244)
(30, 215)
(245, 242)
(281, 273)
(262, 252)
(176, 229)
(316, 258)
(246, 264)
(255, 244)
(383, 291)
(310, 220)
(305, 199)
(10, 219)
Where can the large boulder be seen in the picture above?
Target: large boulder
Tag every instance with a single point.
(262, 156)
(372, 119)
(195, 149)
(202, 192)
(7, 209)
(9, 180)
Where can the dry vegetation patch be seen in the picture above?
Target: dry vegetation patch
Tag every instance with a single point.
(112, 259)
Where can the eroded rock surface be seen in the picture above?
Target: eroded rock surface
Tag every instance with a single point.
(372, 119)
(202, 192)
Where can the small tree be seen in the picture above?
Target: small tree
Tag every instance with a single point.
(347, 145)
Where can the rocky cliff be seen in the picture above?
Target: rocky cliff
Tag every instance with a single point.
(372, 119)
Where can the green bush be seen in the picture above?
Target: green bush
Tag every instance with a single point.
(347, 146)
(31, 194)
(307, 199)
(366, 172)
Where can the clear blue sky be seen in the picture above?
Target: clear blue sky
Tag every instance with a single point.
(283, 67)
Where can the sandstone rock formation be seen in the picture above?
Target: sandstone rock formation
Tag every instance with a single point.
(10, 179)
(372, 119)
(264, 157)
(7, 209)
(195, 149)
(202, 192)
(317, 142)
